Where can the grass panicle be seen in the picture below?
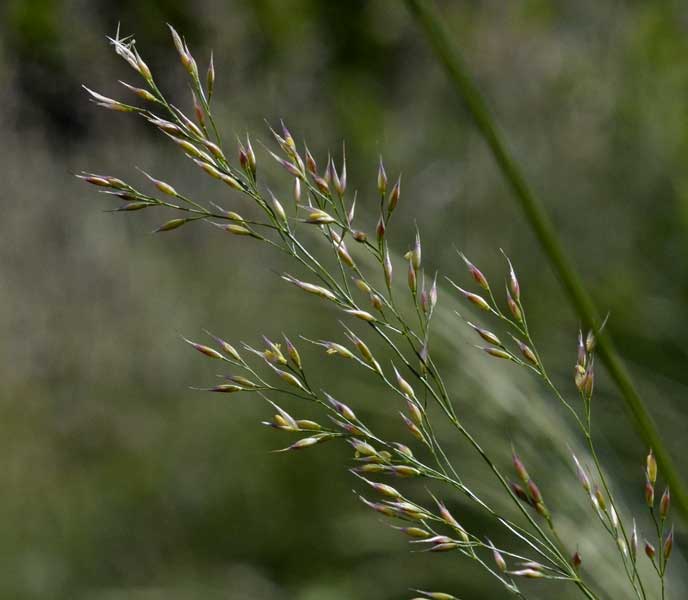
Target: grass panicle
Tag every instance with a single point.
(332, 248)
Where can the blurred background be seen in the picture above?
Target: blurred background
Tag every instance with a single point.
(118, 481)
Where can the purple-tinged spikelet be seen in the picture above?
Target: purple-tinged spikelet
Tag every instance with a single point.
(665, 504)
(480, 279)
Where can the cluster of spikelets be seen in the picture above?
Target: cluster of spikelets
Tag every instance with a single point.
(314, 232)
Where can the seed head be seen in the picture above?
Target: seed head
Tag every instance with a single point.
(243, 160)
(498, 558)
(331, 175)
(362, 448)
(649, 493)
(444, 547)
(514, 286)
(394, 197)
(297, 191)
(342, 408)
(513, 307)
(310, 163)
(190, 149)
(293, 353)
(321, 184)
(579, 379)
(381, 179)
(380, 229)
(588, 381)
(227, 348)
(581, 474)
(488, 336)
(527, 353)
(182, 50)
(599, 496)
(247, 383)
(376, 301)
(140, 92)
(290, 167)
(519, 492)
(414, 532)
(307, 442)
(590, 341)
(437, 595)
(278, 422)
(108, 103)
(576, 560)
(164, 187)
(387, 266)
(165, 126)
(668, 545)
(497, 352)
(362, 286)
(480, 279)
(371, 468)
(198, 109)
(306, 424)
(534, 492)
(650, 550)
(210, 77)
(409, 510)
(432, 297)
(97, 180)
(383, 509)
(582, 353)
(359, 236)
(416, 253)
(170, 225)
(415, 412)
(479, 301)
(403, 471)
(207, 350)
(208, 168)
(251, 156)
(403, 449)
(520, 468)
(273, 353)
(413, 428)
(361, 346)
(411, 278)
(289, 378)
(450, 520)
(665, 504)
(350, 429)
(316, 290)
(132, 206)
(226, 388)
(278, 209)
(383, 489)
(527, 573)
(651, 467)
(319, 217)
(338, 349)
(361, 314)
(340, 182)
(404, 385)
(342, 250)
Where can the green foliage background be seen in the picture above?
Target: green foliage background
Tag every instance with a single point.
(119, 482)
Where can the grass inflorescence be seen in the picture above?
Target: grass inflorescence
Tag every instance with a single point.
(332, 251)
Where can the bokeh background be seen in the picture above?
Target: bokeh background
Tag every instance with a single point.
(117, 481)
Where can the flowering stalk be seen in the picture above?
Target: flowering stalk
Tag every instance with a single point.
(317, 229)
